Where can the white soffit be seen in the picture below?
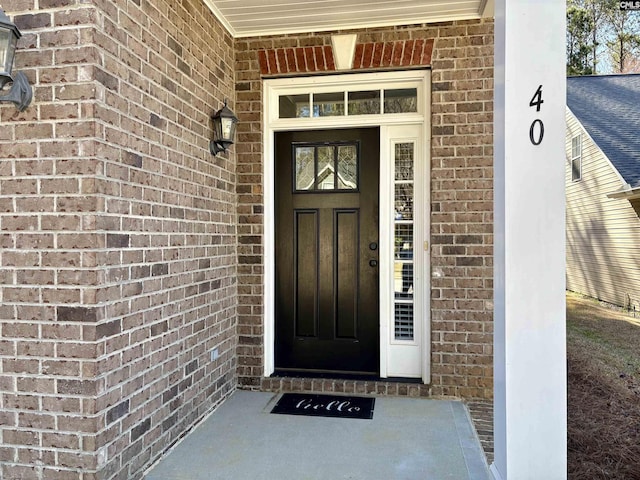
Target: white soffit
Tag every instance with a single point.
(248, 18)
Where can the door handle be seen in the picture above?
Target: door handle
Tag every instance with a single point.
(373, 263)
(373, 246)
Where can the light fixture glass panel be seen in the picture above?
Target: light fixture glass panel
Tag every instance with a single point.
(227, 129)
(347, 167)
(217, 129)
(328, 104)
(326, 168)
(404, 153)
(294, 106)
(7, 49)
(364, 103)
(404, 201)
(305, 171)
(401, 100)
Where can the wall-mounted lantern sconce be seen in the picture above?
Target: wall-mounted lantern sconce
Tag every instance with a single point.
(224, 130)
(20, 92)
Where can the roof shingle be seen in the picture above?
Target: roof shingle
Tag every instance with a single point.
(608, 106)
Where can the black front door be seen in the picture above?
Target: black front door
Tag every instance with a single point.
(326, 221)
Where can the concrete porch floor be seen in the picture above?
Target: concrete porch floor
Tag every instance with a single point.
(408, 438)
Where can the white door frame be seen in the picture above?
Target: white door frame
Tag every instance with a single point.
(389, 132)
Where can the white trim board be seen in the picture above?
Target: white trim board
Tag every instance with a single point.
(393, 127)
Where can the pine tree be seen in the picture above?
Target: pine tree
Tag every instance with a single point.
(598, 12)
(624, 38)
(580, 49)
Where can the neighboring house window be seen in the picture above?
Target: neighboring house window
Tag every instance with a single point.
(576, 158)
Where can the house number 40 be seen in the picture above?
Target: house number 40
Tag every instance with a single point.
(536, 131)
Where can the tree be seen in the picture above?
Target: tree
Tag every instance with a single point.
(624, 38)
(598, 12)
(602, 38)
(580, 49)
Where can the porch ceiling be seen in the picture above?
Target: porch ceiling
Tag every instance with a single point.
(246, 18)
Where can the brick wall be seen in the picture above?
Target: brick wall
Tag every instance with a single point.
(118, 236)
(462, 200)
(118, 229)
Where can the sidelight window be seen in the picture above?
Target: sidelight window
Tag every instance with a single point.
(404, 154)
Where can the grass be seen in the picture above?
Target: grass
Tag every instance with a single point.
(603, 360)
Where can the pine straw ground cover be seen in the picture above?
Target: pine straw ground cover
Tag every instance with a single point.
(603, 358)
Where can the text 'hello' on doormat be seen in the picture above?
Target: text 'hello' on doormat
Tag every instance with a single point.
(325, 405)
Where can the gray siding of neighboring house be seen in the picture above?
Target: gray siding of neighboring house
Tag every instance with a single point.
(603, 234)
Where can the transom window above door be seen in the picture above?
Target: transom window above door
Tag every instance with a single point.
(341, 103)
(326, 167)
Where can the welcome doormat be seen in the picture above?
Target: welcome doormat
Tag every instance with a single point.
(325, 405)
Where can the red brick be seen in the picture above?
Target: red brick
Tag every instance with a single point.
(377, 54)
(264, 63)
(329, 59)
(386, 55)
(273, 62)
(367, 56)
(396, 56)
(301, 61)
(408, 52)
(320, 60)
(291, 60)
(418, 51)
(282, 60)
(357, 56)
(309, 58)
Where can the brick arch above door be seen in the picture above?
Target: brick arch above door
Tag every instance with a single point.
(374, 55)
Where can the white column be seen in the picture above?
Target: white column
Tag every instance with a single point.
(529, 362)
